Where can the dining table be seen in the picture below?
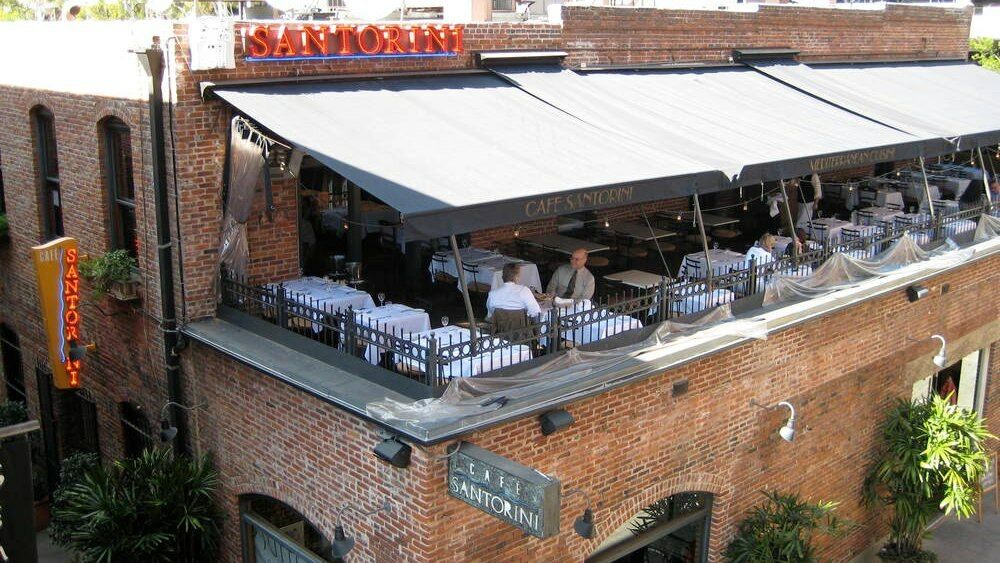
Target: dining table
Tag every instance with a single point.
(640, 231)
(712, 221)
(723, 260)
(322, 295)
(485, 266)
(875, 215)
(395, 319)
(636, 278)
(499, 353)
(826, 229)
(563, 244)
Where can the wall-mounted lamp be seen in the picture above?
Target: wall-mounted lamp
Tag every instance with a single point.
(584, 525)
(342, 544)
(787, 432)
(167, 430)
(394, 452)
(916, 292)
(555, 420)
(941, 358)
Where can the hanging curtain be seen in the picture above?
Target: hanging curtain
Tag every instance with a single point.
(246, 165)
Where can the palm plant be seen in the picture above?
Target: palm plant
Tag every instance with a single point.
(933, 458)
(156, 507)
(781, 530)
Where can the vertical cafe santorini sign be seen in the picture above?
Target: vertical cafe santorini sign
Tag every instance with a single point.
(57, 269)
(291, 42)
(520, 496)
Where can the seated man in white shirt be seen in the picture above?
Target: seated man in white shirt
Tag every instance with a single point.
(762, 251)
(573, 280)
(512, 295)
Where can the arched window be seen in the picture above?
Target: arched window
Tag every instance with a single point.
(120, 186)
(274, 531)
(671, 530)
(50, 195)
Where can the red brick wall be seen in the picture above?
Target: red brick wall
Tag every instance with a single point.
(628, 448)
(593, 36)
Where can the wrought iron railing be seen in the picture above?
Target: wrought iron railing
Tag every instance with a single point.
(434, 358)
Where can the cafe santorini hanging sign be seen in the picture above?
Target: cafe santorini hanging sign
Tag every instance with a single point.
(297, 42)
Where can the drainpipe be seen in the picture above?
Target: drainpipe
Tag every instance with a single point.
(152, 62)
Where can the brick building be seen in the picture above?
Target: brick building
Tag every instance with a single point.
(288, 421)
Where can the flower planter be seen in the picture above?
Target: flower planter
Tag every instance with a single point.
(125, 291)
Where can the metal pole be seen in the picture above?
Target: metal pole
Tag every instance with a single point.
(927, 188)
(704, 240)
(986, 175)
(791, 222)
(355, 230)
(465, 290)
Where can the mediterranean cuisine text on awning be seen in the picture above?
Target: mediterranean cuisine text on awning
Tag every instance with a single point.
(464, 152)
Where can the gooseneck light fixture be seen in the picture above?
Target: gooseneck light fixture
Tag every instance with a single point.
(941, 358)
(787, 432)
(584, 525)
(167, 430)
(342, 543)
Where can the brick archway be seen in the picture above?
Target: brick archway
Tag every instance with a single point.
(609, 520)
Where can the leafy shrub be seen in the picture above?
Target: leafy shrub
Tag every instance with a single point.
(781, 529)
(71, 472)
(4, 226)
(986, 52)
(156, 507)
(932, 458)
(103, 271)
(13, 412)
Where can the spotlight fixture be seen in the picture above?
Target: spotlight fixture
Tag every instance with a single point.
(916, 292)
(342, 544)
(787, 432)
(584, 525)
(607, 224)
(394, 452)
(555, 420)
(167, 430)
(941, 359)
(79, 351)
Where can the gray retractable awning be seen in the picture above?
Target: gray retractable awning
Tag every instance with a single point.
(467, 152)
(747, 125)
(952, 100)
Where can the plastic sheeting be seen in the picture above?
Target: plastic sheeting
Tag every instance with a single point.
(471, 396)
(840, 270)
(989, 227)
(245, 168)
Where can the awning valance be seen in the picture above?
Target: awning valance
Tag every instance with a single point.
(734, 118)
(952, 100)
(466, 152)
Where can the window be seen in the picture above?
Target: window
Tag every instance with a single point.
(50, 198)
(136, 433)
(13, 368)
(120, 185)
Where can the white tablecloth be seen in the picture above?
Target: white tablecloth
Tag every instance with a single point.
(636, 278)
(849, 193)
(885, 196)
(916, 191)
(503, 355)
(324, 294)
(833, 228)
(959, 226)
(396, 319)
(693, 299)
(489, 267)
(781, 245)
(879, 215)
(723, 260)
(601, 329)
(956, 186)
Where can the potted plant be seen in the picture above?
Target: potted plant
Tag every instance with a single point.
(12, 412)
(932, 458)
(781, 530)
(71, 471)
(4, 227)
(112, 273)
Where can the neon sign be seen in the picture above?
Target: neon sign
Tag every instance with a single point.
(281, 42)
(57, 270)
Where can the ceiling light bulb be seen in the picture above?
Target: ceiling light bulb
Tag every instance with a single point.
(745, 206)
(679, 218)
(517, 233)
(606, 224)
(897, 173)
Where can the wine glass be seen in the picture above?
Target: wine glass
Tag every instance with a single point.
(381, 298)
(715, 245)
(444, 320)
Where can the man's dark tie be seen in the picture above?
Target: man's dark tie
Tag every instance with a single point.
(571, 286)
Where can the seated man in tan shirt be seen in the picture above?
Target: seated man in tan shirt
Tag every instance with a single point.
(573, 280)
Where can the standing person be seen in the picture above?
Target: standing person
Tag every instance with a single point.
(512, 296)
(573, 280)
(808, 190)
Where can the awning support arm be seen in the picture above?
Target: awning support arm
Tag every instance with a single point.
(704, 242)
(986, 175)
(791, 223)
(465, 290)
(927, 188)
(656, 241)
